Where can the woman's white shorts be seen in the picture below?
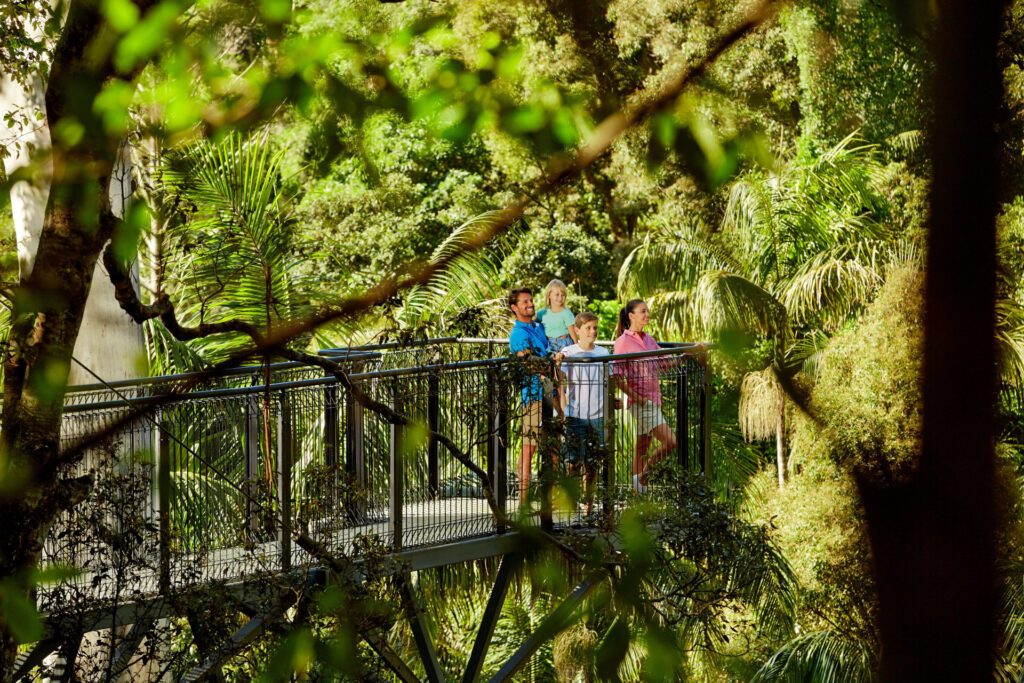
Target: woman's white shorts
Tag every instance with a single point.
(647, 417)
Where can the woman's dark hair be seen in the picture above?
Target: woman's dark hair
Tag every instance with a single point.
(624, 316)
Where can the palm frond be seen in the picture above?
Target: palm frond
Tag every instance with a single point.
(808, 352)
(823, 657)
(834, 283)
(1010, 342)
(728, 301)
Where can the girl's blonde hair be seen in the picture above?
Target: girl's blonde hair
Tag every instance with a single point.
(554, 284)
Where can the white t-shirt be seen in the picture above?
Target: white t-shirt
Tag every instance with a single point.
(585, 383)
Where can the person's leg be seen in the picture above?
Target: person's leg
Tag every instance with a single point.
(531, 432)
(667, 439)
(643, 444)
(525, 467)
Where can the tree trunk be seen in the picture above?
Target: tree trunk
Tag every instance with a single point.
(933, 539)
(780, 446)
(48, 316)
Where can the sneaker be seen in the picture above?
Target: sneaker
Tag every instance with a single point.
(638, 486)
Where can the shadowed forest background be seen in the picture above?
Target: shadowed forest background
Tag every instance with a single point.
(287, 157)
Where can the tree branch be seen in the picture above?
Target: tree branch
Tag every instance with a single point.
(124, 292)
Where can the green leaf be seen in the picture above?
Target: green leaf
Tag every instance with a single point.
(54, 574)
(126, 235)
(429, 104)
(112, 103)
(293, 656)
(20, 615)
(510, 62)
(122, 14)
(276, 11)
(526, 119)
(663, 129)
(146, 37)
(564, 128)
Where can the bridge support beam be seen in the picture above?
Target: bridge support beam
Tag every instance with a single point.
(129, 644)
(497, 441)
(553, 624)
(285, 460)
(419, 630)
(252, 465)
(608, 475)
(396, 471)
(509, 565)
(162, 457)
(378, 642)
(683, 417)
(434, 424)
(355, 459)
(705, 419)
(238, 640)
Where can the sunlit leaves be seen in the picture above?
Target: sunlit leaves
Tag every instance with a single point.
(689, 138)
(146, 37)
(126, 234)
(122, 14)
(462, 100)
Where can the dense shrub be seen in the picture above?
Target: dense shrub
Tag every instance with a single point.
(868, 391)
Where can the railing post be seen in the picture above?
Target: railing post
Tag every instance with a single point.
(285, 458)
(434, 424)
(331, 441)
(251, 448)
(608, 476)
(497, 440)
(355, 459)
(162, 460)
(705, 420)
(396, 469)
(683, 415)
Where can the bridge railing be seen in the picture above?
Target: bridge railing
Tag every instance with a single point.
(212, 486)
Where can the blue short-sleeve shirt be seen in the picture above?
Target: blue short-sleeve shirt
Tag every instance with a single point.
(529, 336)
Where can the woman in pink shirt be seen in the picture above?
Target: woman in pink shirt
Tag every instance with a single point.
(638, 379)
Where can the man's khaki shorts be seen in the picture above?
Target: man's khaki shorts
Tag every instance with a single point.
(532, 418)
(532, 414)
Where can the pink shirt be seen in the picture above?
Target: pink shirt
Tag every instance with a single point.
(641, 374)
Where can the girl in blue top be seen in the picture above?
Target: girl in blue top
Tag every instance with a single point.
(558, 321)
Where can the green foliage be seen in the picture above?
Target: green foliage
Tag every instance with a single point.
(868, 390)
(858, 70)
(823, 657)
(563, 251)
(232, 236)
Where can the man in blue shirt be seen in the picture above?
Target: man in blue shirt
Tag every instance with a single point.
(528, 338)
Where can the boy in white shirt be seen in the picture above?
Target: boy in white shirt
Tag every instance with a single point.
(583, 397)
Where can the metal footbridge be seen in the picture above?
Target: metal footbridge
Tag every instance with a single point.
(269, 477)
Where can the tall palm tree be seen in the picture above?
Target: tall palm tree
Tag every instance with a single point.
(800, 249)
(234, 231)
(231, 228)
